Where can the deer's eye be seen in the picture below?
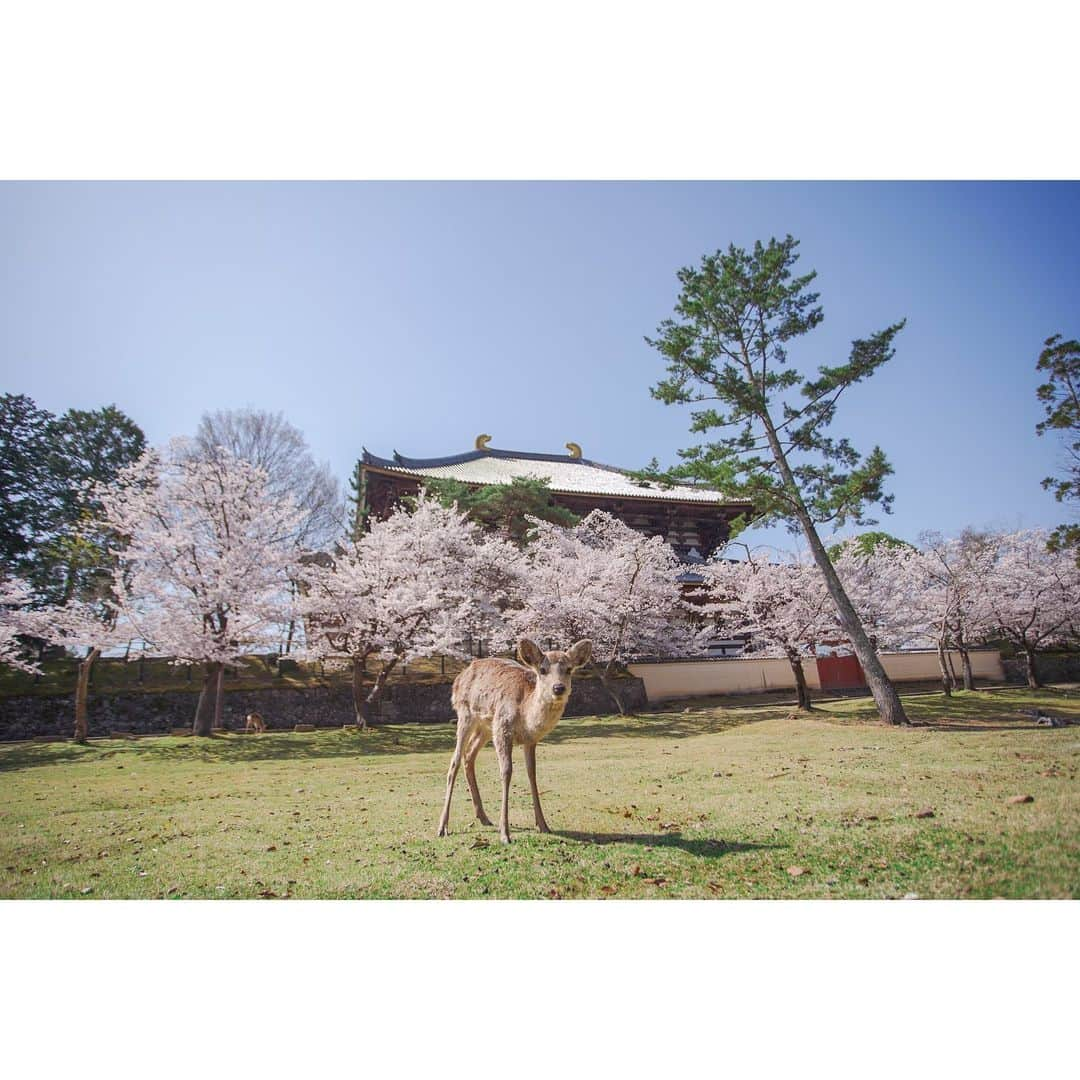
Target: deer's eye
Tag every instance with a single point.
(544, 667)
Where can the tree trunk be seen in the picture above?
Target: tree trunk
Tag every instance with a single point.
(969, 675)
(219, 700)
(605, 679)
(946, 679)
(366, 704)
(358, 665)
(204, 712)
(82, 726)
(802, 692)
(952, 668)
(1033, 679)
(884, 693)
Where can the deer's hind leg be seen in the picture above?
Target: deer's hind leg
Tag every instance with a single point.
(503, 737)
(530, 767)
(463, 729)
(472, 751)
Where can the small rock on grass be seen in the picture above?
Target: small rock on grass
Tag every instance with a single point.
(1017, 799)
(796, 871)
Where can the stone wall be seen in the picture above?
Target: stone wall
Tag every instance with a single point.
(280, 707)
(1052, 668)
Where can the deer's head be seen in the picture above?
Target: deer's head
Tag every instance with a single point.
(554, 670)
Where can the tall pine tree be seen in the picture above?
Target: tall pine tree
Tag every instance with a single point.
(726, 352)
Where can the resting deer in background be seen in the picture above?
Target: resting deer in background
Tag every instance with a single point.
(509, 702)
(254, 722)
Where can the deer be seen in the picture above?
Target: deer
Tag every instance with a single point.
(510, 702)
(254, 722)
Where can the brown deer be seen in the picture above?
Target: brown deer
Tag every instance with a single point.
(509, 702)
(254, 722)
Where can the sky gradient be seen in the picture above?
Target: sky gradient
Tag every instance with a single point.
(413, 316)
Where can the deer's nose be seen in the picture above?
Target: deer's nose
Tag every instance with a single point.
(558, 689)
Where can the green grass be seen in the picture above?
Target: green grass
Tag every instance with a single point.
(722, 800)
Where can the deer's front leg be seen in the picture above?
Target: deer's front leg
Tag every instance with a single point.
(530, 767)
(504, 745)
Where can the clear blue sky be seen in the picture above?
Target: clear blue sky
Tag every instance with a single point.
(414, 316)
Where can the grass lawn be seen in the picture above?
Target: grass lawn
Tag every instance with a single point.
(739, 799)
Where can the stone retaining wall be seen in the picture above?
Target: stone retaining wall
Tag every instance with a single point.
(280, 707)
(1052, 667)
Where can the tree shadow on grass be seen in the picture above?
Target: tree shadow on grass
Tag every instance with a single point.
(702, 848)
(334, 743)
(678, 725)
(327, 744)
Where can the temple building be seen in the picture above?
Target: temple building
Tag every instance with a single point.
(694, 520)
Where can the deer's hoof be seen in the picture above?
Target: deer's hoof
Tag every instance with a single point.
(505, 839)
(485, 820)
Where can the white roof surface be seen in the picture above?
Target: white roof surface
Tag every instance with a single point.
(570, 477)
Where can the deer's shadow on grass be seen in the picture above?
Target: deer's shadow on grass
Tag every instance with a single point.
(703, 848)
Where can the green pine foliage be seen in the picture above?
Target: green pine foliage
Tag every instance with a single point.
(504, 508)
(1060, 397)
(727, 355)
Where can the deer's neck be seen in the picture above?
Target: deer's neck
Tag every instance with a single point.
(543, 712)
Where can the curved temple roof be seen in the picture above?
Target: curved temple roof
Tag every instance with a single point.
(566, 475)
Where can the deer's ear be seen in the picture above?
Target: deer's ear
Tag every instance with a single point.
(580, 652)
(529, 652)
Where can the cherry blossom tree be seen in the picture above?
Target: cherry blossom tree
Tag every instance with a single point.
(89, 628)
(1031, 594)
(909, 598)
(604, 581)
(16, 620)
(421, 582)
(207, 559)
(783, 604)
(953, 572)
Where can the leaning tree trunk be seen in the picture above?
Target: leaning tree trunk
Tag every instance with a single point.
(219, 700)
(82, 726)
(605, 681)
(1033, 679)
(946, 678)
(204, 712)
(802, 692)
(884, 693)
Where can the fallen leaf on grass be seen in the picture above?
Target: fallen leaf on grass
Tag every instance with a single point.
(272, 847)
(796, 871)
(554, 894)
(715, 886)
(636, 872)
(1016, 800)
(480, 842)
(608, 890)
(655, 880)
(927, 813)
(268, 894)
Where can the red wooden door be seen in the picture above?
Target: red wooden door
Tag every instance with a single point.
(840, 672)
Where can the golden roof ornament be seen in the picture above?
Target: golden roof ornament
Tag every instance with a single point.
(482, 441)
(575, 450)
